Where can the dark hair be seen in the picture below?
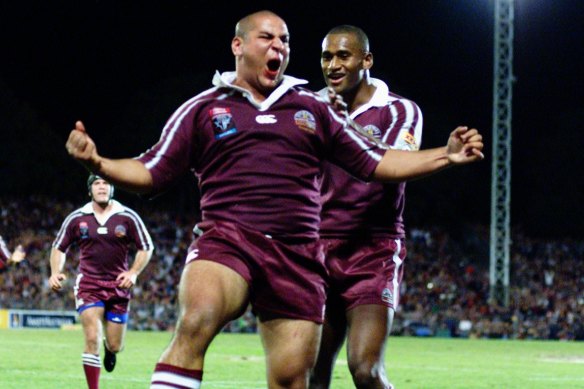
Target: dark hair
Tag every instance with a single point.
(353, 30)
(91, 179)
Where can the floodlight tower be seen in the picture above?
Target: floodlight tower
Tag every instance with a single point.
(501, 169)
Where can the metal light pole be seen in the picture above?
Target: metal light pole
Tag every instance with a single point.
(501, 170)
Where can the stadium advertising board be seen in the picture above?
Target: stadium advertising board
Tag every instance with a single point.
(18, 318)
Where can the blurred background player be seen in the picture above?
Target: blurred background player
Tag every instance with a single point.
(9, 258)
(105, 231)
(362, 225)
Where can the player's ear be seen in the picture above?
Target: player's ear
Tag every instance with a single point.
(368, 60)
(236, 45)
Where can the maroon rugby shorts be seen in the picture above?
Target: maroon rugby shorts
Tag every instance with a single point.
(89, 291)
(365, 271)
(286, 280)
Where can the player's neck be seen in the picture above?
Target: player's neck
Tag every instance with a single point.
(257, 92)
(359, 96)
(102, 208)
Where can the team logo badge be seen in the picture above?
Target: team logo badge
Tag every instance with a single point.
(387, 296)
(223, 124)
(120, 231)
(84, 230)
(192, 255)
(373, 131)
(305, 121)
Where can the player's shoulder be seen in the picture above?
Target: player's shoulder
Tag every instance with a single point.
(120, 208)
(313, 102)
(201, 98)
(74, 217)
(310, 95)
(82, 211)
(384, 94)
(395, 98)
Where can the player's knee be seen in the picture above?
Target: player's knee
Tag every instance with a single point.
(92, 342)
(198, 323)
(290, 372)
(292, 378)
(367, 373)
(114, 347)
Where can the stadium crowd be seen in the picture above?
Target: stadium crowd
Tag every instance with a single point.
(445, 290)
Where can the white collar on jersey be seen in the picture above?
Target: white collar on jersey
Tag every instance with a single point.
(226, 79)
(117, 207)
(379, 99)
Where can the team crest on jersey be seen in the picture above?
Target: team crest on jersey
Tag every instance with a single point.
(373, 131)
(223, 124)
(120, 231)
(84, 230)
(387, 296)
(305, 121)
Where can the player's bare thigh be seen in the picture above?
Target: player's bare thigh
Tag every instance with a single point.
(369, 327)
(91, 321)
(210, 284)
(115, 334)
(291, 347)
(210, 294)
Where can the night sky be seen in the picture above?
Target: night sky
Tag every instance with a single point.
(124, 68)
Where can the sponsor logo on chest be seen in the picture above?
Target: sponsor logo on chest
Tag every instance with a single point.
(410, 140)
(223, 123)
(266, 119)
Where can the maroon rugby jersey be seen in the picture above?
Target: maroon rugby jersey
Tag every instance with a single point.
(353, 207)
(103, 248)
(4, 253)
(258, 164)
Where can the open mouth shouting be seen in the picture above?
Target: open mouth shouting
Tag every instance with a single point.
(273, 68)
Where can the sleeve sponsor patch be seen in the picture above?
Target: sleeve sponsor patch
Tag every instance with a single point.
(407, 141)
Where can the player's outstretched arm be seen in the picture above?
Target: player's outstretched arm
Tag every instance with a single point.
(57, 262)
(127, 173)
(464, 146)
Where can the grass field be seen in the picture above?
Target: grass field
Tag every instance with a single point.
(49, 359)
